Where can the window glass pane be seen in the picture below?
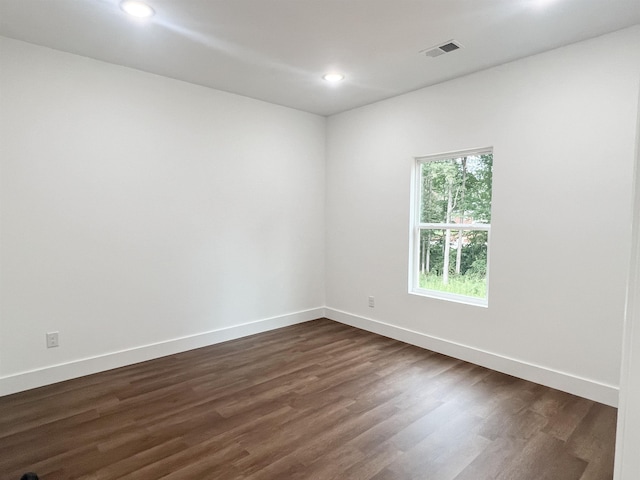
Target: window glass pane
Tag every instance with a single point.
(456, 190)
(478, 180)
(435, 186)
(453, 261)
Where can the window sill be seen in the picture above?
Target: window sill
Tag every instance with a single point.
(451, 297)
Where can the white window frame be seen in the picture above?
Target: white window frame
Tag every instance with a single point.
(417, 226)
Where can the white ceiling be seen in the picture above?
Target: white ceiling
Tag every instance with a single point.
(277, 50)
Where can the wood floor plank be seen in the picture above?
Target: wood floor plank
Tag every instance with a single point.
(318, 400)
(543, 457)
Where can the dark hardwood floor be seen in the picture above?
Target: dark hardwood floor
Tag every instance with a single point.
(319, 400)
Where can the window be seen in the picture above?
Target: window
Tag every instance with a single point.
(451, 226)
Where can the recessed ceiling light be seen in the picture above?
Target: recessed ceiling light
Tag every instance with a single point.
(333, 77)
(137, 9)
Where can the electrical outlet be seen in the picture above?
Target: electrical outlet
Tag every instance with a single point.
(372, 302)
(52, 339)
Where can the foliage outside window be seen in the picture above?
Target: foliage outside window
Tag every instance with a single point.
(451, 226)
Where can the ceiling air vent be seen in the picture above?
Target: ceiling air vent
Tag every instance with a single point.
(447, 47)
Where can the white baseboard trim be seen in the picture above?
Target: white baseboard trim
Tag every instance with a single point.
(583, 387)
(603, 393)
(87, 366)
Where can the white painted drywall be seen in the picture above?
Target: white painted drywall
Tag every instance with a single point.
(628, 433)
(137, 209)
(563, 126)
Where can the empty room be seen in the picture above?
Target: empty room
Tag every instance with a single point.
(304, 239)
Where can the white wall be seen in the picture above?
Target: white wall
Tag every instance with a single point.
(142, 215)
(563, 126)
(139, 210)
